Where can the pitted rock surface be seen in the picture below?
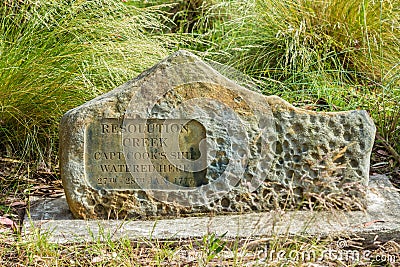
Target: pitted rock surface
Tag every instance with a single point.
(117, 161)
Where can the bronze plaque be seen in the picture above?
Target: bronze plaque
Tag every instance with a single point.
(119, 153)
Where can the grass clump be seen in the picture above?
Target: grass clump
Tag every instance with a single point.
(328, 54)
(55, 55)
(299, 42)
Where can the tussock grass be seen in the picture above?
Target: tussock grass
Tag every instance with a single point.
(303, 41)
(328, 54)
(55, 55)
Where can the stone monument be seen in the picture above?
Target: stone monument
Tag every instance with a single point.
(181, 140)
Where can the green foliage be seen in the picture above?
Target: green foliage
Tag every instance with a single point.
(332, 54)
(296, 42)
(55, 55)
(328, 54)
(212, 246)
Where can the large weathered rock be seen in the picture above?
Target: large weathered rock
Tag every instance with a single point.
(183, 139)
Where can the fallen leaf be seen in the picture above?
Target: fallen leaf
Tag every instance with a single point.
(97, 259)
(379, 165)
(372, 222)
(56, 195)
(309, 107)
(8, 223)
(382, 152)
(17, 204)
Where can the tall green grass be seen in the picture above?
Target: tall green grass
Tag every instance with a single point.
(330, 54)
(55, 55)
(298, 41)
(338, 54)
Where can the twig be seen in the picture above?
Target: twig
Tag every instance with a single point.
(389, 147)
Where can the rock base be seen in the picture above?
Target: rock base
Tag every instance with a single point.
(382, 218)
